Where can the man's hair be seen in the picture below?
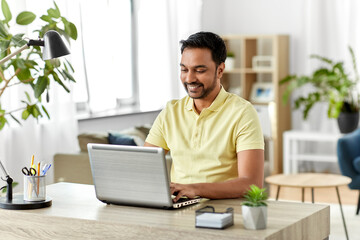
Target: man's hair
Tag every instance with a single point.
(208, 40)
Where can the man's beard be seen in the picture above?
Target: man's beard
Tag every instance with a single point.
(205, 91)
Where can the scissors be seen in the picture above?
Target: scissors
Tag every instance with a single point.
(29, 172)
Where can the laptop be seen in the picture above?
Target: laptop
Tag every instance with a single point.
(132, 175)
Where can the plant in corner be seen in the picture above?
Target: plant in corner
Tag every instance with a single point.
(331, 84)
(254, 208)
(27, 68)
(230, 60)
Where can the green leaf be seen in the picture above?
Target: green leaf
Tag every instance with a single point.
(14, 184)
(25, 18)
(71, 67)
(46, 18)
(25, 114)
(18, 40)
(70, 29)
(3, 121)
(45, 111)
(68, 75)
(24, 74)
(55, 13)
(13, 117)
(40, 86)
(3, 32)
(3, 46)
(36, 111)
(6, 11)
(28, 96)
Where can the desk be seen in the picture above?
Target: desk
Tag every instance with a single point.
(77, 214)
(291, 148)
(311, 180)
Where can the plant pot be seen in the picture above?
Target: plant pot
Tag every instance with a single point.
(230, 63)
(348, 122)
(254, 217)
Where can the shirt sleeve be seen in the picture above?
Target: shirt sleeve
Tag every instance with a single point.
(249, 132)
(156, 135)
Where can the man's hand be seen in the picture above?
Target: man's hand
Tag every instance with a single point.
(181, 190)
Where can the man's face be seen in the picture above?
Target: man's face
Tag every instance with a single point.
(199, 73)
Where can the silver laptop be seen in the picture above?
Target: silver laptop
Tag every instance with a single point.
(132, 175)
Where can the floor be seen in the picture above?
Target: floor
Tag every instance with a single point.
(328, 196)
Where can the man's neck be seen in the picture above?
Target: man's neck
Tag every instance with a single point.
(202, 103)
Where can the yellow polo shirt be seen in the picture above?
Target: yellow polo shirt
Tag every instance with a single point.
(204, 146)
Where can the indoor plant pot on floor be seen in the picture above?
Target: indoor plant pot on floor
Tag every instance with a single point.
(331, 84)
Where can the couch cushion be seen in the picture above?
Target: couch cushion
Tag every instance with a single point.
(86, 138)
(121, 139)
(356, 164)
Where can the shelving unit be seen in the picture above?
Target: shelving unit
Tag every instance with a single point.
(244, 75)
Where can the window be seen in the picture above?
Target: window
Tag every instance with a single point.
(105, 39)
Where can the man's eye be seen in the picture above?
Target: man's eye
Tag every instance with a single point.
(200, 71)
(184, 70)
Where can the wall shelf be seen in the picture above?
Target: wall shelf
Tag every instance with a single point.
(244, 76)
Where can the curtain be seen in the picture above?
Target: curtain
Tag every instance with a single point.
(329, 27)
(161, 25)
(45, 137)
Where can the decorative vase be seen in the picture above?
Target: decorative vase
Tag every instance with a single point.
(348, 122)
(230, 63)
(254, 217)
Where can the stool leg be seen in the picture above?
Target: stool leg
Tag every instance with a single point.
(358, 206)
(277, 192)
(342, 214)
(312, 195)
(303, 194)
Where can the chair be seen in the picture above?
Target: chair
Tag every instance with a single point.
(348, 152)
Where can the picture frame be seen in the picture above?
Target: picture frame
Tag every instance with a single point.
(262, 92)
(262, 62)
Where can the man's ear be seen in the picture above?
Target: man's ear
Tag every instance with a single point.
(220, 70)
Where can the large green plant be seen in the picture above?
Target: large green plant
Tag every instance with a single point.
(28, 67)
(332, 84)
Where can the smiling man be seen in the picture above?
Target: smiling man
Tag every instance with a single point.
(214, 137)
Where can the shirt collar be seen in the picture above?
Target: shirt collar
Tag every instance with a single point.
(216, 104)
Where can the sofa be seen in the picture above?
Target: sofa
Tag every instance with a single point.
(75, 167)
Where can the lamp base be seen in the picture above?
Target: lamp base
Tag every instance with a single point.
(18, 203)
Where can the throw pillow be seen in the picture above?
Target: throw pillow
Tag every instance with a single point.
(86, 138)
(121, 139)
(356, 164)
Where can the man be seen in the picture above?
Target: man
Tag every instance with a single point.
(215, 138)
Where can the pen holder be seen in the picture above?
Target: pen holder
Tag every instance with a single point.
(34, 188)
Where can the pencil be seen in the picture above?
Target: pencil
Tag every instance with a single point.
(38, 181)
(32, 161)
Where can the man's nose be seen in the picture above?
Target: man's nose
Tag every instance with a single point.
(190, 77)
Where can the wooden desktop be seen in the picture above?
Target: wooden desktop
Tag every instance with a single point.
(77, 214)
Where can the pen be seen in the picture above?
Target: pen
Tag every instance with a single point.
(45, 169)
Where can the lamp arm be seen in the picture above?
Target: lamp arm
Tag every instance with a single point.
(8, 57)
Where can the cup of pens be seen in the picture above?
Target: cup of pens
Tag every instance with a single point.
(35, 182)
(34, 188)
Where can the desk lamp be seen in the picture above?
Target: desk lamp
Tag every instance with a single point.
(54, 47)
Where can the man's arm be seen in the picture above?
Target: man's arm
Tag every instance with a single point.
(151, 145)
(250, 169)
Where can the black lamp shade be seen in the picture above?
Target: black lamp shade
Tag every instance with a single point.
(54, 46)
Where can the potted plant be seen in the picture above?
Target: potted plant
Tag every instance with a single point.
(331, 84)
(27, 68)
(254, 208)
(230, 60)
